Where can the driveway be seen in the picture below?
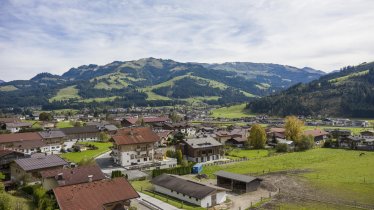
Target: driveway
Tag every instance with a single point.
(107, 165)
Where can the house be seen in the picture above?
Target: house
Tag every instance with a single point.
(275, 132)
(6, 157)
(318, 135)
(236, 141)
(183, 127)
(133, 121)
(134, 146)
(338, 133)
(189, 191)
(54, 140)
(28, 169)
(236, 136)
(84, 133)
(202, 149)
(4, 121)
(164, 137)
(107, 194)
(17, 126)
(70, 176)
(367, 133)
(236, 182)
(27, 143)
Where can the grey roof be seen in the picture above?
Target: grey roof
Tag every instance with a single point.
(52, 134)
(237, 177)
(111, 127)
(40, 162)
(18, 124)
(183, 186)
(202, 142)
(77, 130)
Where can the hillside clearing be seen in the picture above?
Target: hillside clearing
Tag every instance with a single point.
(341, 79)
(70, 92)
(7, 88)
(235, 111)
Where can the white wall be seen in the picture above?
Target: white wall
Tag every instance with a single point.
(207, 201)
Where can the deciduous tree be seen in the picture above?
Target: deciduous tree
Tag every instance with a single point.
(257, 136)
(293, 128)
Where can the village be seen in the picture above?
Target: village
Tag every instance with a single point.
(153, 158)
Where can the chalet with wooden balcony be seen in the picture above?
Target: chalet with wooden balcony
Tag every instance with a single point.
(202, 149)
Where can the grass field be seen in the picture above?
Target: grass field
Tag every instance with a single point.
(236, 111)
(89, 100)
(7, 88)
(311, 206)
(64, 124)
(251, 154)
(145, 187)
(341, 79)
(67, 93)
(88, 154)
(355, 130)
(343, 173)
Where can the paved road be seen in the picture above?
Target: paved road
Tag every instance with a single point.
(106, 163)
(156, 202)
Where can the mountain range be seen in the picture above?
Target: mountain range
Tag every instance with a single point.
(345, 93)
(153, 82)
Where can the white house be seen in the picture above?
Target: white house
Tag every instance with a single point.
(189, 191)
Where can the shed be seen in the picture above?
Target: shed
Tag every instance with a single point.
(197, 168)
(236, 182)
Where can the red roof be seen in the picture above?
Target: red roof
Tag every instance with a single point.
(277, 130)
(138, 135)
(93, 195)
(13, 137)
(164, 134)
(316, 132)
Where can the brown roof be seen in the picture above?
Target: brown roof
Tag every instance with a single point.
(13, 137)
(93, 195)
(4, 152)
(75, 175)
(133, 120)
(277, 130)
(139, 135)
(31, 144)
(9, 120)
(164, 134)
(316, 132)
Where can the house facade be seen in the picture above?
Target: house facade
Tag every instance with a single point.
(134, 146)
(202, 149)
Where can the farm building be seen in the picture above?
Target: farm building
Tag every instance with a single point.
(236, 182)
(189, 191)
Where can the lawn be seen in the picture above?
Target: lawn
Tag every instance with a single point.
(343, 173)
(88, 154)
(251, 154)
(355, 130)
(236, 111)
(67, 93)
(19, 202)
(146, 188)
(64, 124)
(304, 205)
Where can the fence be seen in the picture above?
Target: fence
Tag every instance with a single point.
(221, 162)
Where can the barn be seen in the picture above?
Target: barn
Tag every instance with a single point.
(236, 182)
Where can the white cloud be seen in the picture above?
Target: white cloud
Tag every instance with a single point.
(39, 36)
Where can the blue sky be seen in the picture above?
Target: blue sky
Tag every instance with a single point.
(54, 35)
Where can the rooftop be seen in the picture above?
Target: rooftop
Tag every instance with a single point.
(237, 177)
(52, 134)
(75, 175)
(13, 137)
(94, 195)
(83, 129)
(180, 185)
(40, 162)
(138, 135)
(202, 142)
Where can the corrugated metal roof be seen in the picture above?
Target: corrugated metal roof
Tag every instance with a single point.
(40, 162)
(237, 177)
(183, 186)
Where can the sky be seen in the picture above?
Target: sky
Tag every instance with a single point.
(53, 35)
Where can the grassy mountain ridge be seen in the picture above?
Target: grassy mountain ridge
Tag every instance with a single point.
(146, 81)
(349, 92)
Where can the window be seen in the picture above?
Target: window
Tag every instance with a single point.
(145, 159)
(197, 199)
(138, 161)
(171, 190)
(189, 197)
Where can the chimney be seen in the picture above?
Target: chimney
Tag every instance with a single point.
(60, 179)
(90, 178)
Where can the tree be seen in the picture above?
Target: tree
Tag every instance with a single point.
(104, 136)
(175, 117)
(179, 156)
(257, 136)
(44, 116)
(305, 143)
(293, 128)
(281, 147)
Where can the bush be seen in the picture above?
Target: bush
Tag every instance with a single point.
(117, 174)
(281, 148)
(183, 170)
(306, 142)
